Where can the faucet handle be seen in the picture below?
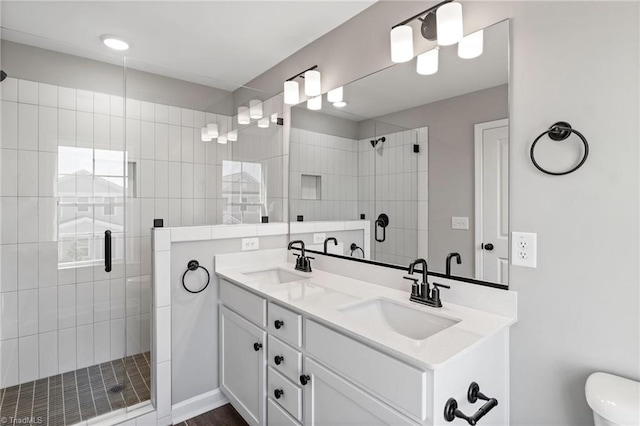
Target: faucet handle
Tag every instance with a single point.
(415, 280)
(441, 285)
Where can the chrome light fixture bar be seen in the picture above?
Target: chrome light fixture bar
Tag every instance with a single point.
(292, 88)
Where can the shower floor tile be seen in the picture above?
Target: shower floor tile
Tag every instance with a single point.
(73, 397)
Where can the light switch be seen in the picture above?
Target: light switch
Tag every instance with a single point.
(458, 222)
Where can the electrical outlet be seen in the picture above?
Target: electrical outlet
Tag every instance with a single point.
(524, 249)
(250, 244)
(319, 238)
(459, 222)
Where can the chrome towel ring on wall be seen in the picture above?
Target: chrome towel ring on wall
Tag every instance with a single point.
(193, 265)
(559, 132)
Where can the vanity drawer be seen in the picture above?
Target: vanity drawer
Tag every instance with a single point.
(401, 385)
(247, 304)
(277, 416)
(291, 397)
(285, 324)
(291, 365)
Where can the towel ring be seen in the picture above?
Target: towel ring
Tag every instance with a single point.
(559, 132)
(192, 266)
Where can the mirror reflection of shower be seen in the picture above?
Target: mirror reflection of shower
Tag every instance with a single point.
(374, 142)
(3, 75)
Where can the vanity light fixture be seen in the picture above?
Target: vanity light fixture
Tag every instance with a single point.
(335, 95)
(315, 103)
(243, 115)
(427, 62)
(263, 123)
(274, 118)
(471, 45)
(232, 136)
(255, 109)
(114, 42)
(312, 85)
(441, 23)
(212, 130)
(291, 92)
(222, 139)
(204, 135)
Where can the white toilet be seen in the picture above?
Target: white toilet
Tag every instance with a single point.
(615, 401)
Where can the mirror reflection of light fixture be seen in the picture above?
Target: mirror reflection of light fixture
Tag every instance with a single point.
(232, 136)
(255, 109)
(212, 130)
(263, 123)
(441, 23)
(243, 115)
(449, 23)
(312, 84)
(315, 103)
(204, 135)
(291, 92)
(274, 117)
(471, 46)
(222, 139)
(401, 43)
(335, 95)
(427, 63)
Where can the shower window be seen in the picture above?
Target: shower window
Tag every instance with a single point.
(244, 191)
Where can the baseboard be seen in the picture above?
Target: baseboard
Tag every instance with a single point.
(197, 405)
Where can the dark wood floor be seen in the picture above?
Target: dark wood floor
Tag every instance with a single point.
(222, 416)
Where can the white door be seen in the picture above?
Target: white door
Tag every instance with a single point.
(243, 365)
(330, 400)
(492, 201)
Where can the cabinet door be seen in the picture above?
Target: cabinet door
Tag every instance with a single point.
(243, 365)
(330, 400)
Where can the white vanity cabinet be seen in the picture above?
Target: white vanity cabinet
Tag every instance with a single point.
(280, 367)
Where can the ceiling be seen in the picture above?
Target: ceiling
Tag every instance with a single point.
(400, 87)
(223, 44)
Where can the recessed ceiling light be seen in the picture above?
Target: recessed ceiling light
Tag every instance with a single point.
(341, 104)
(114, 42)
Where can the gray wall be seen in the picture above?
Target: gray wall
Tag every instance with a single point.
(302, 118)
(579, 310)
(451, 167)
(47, 66)
(194, 317)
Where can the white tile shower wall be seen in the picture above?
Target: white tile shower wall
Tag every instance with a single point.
(393, 179)
(57, 319)
(335, 160)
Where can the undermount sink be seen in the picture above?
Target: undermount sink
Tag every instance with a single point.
(402, 319)
(276, 276)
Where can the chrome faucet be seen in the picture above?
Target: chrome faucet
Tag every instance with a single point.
(303, 262)
(422, 293)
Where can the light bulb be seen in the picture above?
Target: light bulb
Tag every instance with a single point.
(335, 95)
(315, 104)
(471, 46)
(204, 135)
(402, 43)
(232, 136)
(212, 129)
(222, 139)
(255, 109)
(312, 84)
(449, 23)
(427, 63)
(291, 92)
(340, 104)
(274, 117)
(263, 123)
(243, 115)
(114, 42)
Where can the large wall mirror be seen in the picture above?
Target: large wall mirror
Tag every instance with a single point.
(411, 165)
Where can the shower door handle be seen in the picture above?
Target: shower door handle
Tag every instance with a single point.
(107, 251)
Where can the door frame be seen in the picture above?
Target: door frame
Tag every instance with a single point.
(478, 130)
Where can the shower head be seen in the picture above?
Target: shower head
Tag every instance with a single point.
(374, 142)
(3, 75)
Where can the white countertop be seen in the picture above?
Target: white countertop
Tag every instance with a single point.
(321, 294)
